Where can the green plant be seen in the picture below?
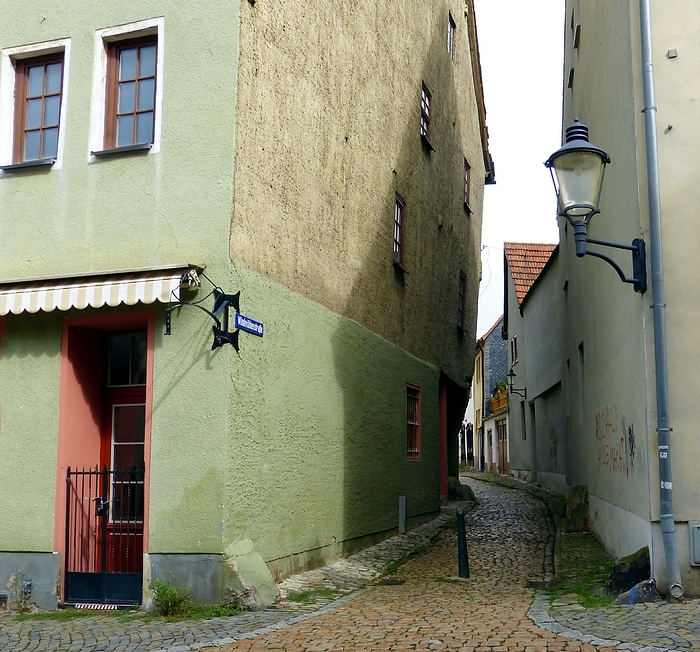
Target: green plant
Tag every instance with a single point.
(501, 387)
(168, 600)
(583, 566)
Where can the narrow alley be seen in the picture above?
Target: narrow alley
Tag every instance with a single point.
(424, 608)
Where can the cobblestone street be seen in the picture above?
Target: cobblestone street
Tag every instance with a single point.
(508, 538)
(427, 609)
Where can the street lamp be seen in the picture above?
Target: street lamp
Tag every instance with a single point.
(577, 170)
(522, 391)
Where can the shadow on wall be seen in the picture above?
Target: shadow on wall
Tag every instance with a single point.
(419, 313)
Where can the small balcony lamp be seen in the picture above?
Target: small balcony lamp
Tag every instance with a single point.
(577, 170)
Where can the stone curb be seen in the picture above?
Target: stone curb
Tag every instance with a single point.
(539, 614)
(267, 629)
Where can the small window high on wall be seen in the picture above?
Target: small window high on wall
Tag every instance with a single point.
(413, 423)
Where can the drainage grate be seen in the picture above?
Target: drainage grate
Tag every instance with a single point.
(3, 600)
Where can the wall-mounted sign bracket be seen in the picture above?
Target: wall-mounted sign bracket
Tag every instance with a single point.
(222, 302)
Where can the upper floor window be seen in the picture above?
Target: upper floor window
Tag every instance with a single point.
(399, 225)
(467, 186)
(131, 92)
(127, 96)
(38, 107)
(514, 349)
(451, 29)
(425, 115)
(461, 319)
(33, 83)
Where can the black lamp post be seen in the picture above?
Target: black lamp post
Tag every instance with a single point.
(577, 170)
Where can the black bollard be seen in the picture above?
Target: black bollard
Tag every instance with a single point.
(462, 555)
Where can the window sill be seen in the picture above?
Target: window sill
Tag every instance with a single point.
(143, 147)
(399, 267)
(427, 143)
(28, 164)
(468, 208)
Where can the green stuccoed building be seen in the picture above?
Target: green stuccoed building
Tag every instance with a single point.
(239, 255)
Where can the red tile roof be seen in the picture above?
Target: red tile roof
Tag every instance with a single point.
(526, 261)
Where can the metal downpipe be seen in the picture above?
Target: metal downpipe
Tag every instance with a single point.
(668, 527)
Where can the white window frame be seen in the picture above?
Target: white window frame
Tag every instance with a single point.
(103, 37)
(8, 78)
(451, 34)
(112, 444)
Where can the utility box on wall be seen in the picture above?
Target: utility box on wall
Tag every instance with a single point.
(694, 543)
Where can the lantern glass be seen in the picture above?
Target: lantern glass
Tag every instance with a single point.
(579, 177)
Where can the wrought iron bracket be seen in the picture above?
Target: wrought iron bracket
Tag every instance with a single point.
(637, 248)
(520, 391)
(222, 302)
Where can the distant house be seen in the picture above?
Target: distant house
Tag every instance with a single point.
(491, 426)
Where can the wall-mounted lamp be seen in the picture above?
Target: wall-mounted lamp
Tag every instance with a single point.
(577, 170)
(513, 390)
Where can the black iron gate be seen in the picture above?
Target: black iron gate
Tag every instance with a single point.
(104, 536)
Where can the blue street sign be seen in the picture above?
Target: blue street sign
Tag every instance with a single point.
(249, 325)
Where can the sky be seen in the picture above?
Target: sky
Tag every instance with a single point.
(521, 45)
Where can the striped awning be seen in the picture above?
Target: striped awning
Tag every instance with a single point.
(128, 288)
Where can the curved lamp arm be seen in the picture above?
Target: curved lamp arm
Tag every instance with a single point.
(639, 267)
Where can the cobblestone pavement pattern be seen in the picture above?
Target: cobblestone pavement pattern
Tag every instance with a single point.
(508, 537)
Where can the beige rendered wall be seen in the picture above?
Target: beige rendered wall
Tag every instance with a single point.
(522, 450)
(542, 345)
(478, 403)
(607, 375)
(676, 26)
(328, 132)
(618, 323)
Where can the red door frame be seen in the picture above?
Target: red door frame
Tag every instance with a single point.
(80, 404)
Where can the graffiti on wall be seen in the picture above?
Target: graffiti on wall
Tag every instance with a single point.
(615, 441)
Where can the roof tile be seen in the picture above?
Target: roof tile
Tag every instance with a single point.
(526, 261)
